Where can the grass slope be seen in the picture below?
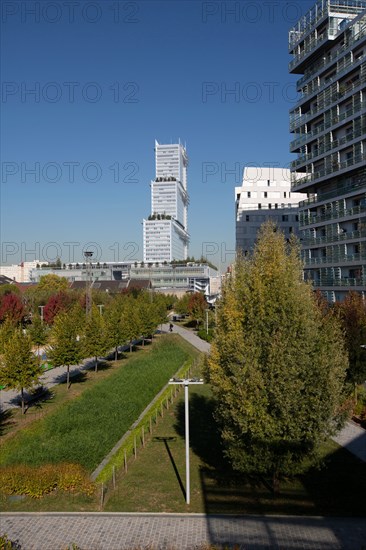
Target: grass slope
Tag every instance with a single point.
(84, 430)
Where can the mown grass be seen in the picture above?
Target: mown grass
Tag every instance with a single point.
(84, 430)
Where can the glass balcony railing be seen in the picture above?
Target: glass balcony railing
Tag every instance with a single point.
(352, 111)
(328, 92)
(348, 185)
(330, 97)
(310, 218)
(338, 259)
(327, 171)
(326, 147)
(343, 282)
(339, 237)
(317, 12)
(326, 62)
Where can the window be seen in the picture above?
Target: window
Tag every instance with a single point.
(285, 218)
(247, 218)
(249, 194)
(268, 183)
(269, 205)
(259, 206)
(284, 194)
(265, 194)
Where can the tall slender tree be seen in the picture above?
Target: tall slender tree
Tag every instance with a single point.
(277, 365)
(65, 340)
(19, 368)
(94, 337)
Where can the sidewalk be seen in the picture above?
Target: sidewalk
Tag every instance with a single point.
(101, 531)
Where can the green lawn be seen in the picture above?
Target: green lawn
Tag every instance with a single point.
(84, 430)
(155, 481)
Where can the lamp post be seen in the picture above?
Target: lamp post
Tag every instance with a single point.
(186, 382)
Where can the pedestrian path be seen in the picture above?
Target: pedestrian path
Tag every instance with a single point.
(101, 531)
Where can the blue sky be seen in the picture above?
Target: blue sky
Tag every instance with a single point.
(109, 78)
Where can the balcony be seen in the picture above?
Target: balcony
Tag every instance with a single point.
(338, 237)
(325, 148)
(330, 92)
(349, 185)
(325, 62)
(328, 98)
(343, 282)
(311, 218)
(334, 259)
(358, 108)
(328, 171)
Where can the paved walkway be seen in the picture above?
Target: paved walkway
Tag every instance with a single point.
(101, 531)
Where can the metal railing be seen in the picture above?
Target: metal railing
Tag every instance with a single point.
(326, 147)
(358, 107)
(349, 186)
(333, 259)
(336, 237)
(328, 170)
(312, 218)
(343, 282)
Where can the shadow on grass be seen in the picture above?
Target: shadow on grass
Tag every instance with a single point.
(165, 440)
(337, 489)
(6, 420)
(79, 377)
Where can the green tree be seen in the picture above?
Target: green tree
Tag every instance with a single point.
(113, 320)
(19, 368)
(53, 283)
(182, 305)
(65, 342)
(94, 340)
(147, 314)
(131, 322)
(352, 313)
(277, 365)
(197, 306)
(38, 332)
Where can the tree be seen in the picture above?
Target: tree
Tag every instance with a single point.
(38, 332)
(113, 319)
(65, 342)
(19, 368)
(277, 365)
(53, 283)
(12, 308)
(197, 306)
(182, 304)
(352, 313)
(94, 341)
(147, 316)
(56, 303)
(130, 320)
(9, 288)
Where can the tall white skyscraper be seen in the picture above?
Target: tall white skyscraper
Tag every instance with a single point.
(165, 231)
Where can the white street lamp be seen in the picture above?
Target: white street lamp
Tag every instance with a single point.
(186, 382)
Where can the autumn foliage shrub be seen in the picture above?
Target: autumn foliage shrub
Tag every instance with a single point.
(39, 481)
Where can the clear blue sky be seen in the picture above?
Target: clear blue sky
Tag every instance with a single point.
(111, 77)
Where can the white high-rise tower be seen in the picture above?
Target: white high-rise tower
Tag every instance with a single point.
(165, 231)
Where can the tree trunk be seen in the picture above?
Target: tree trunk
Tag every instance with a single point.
(96, 364)
(68, 377)
(143, 341)
(130, 345)
(22, 398)
(116, 354)
(276, 482)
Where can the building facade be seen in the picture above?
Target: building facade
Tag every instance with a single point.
(265, 194)
(328, 47)
(21, 273)
(165, 235)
